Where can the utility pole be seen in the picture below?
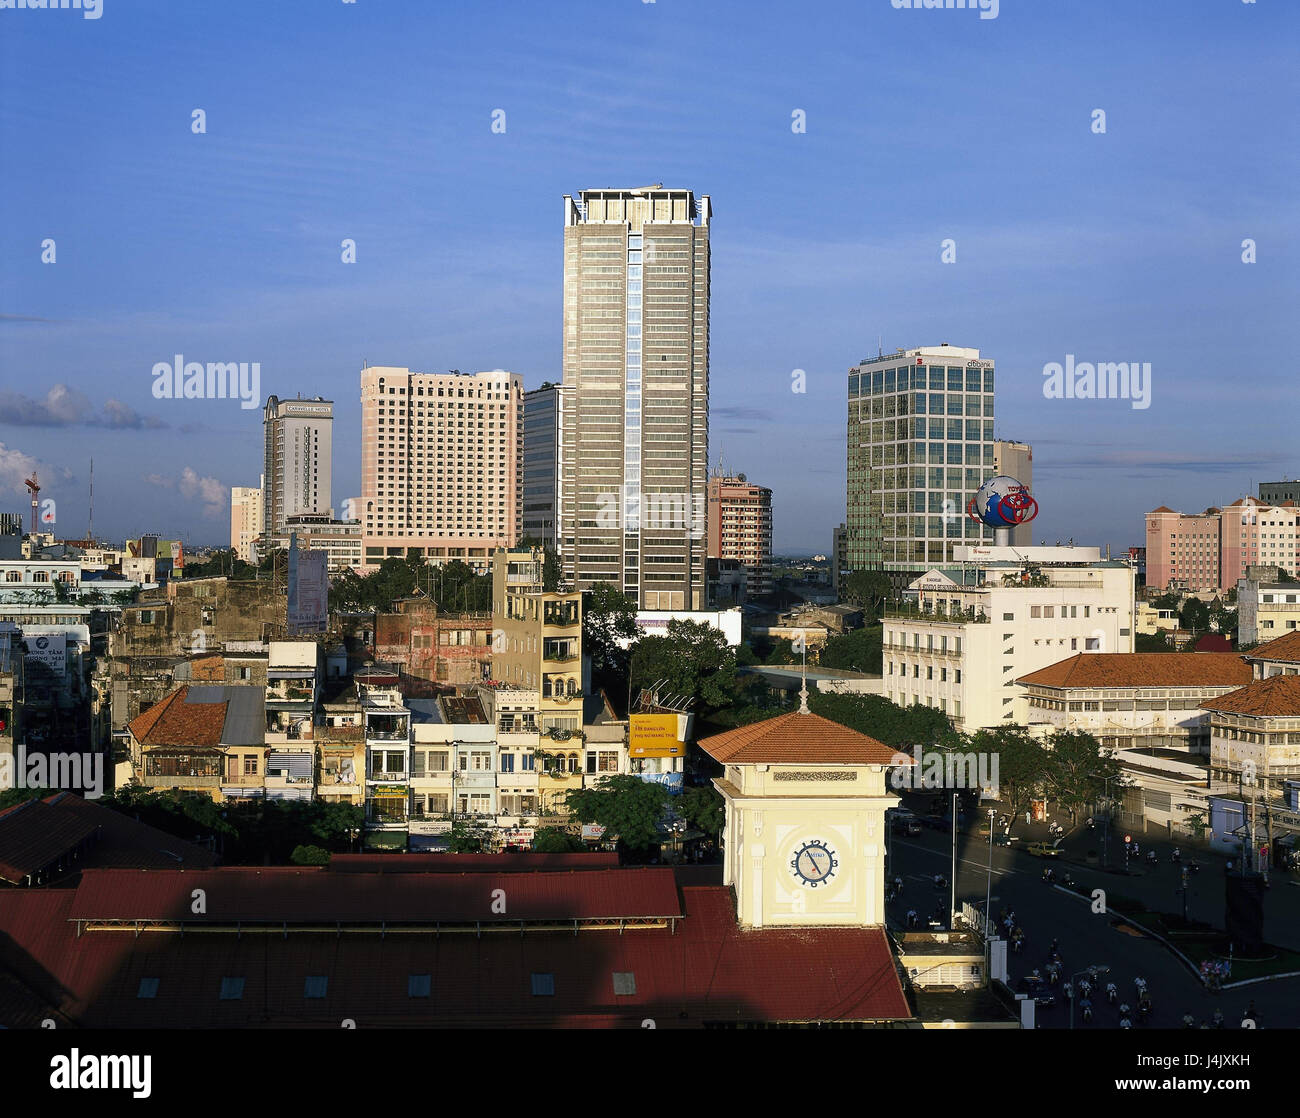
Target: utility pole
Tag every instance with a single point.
(952, 884)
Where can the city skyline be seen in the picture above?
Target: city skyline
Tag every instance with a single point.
(228, 244)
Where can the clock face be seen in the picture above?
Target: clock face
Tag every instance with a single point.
(814, 863)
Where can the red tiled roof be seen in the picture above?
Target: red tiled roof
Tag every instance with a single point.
(1213, 642)
(34, 836)
(461, 863)
(1277, 696)
(1143, 669)
(706, 971)
(176, 722)
(1283, 648)
(797, 739)
(303, 895)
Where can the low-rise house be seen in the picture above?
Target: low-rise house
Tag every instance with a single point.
(204, 738)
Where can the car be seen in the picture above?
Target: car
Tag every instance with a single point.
(1042, 850)
(1003, 840)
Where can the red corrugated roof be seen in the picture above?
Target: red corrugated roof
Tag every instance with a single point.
(35, 835)
(309, 895)
(709, 971)
(126, 843)
(462, 863)
(807, 739)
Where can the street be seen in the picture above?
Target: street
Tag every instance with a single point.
(1086, 938)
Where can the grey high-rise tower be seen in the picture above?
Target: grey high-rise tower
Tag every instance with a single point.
(635, 445)
(297, 451)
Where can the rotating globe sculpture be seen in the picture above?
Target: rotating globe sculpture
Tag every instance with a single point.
(1002, 503)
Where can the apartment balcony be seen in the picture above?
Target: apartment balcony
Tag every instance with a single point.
(387, 735)
(198, 783)
(334, 790)
(896, 612)
(560, 655)
(251, 780)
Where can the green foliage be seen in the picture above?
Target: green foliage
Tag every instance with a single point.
(625, 805)
(754, 700)
(1078, 769)
(254, 832)
(693, 659)
(1194, 615)
(874, 715)
(1166, 601)
(859, 651)
(453, 587)
(464, 838)
(703, 808)
(221, 562)
(554, 840)
(309, 856)
(782, 652)
(1152, 642)
(11, 796)
(1022, 764)
(745, 656)
(608, 616)
(869, 589)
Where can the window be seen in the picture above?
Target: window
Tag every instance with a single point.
(543, 985)
(232, 989)
(315, 986)
(507, 762)
(624, 983)
(1035, 611)
(1012, 616)
(418, 985)
(250, 766)
(1049, 611)
(148, 988)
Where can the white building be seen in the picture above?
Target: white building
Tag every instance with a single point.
(245, 520)
(654, 622)
(1134, 700)
(298, 445)
(966, 636)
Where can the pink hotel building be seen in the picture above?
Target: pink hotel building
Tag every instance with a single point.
(441, 465)
(1211, 550)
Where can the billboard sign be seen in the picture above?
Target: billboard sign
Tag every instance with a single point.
(49, 648)
(308, 590)
(657, 735)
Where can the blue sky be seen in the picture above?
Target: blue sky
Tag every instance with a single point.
(329, 120)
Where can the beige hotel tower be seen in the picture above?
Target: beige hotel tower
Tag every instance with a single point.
(634, 475)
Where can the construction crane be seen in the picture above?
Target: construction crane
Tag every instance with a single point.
(35, 487)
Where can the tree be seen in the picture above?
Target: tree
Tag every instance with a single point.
(693, 659)
(1194, 615)
(868, 589)
(554, 840)
(608, 617)
(1152, 642)
(1166, 601)
(782, 652)
(309, 856)
(1078, 769)
(625, 805)
(703, 808)
(874, 715)
(859, 651)
(465, 839)
(1021, 766)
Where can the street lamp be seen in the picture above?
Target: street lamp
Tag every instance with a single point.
(988, 887)
(1092, 972)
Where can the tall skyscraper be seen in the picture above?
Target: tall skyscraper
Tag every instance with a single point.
(920, 443)
(635, 444)
(245, 521)
(441, 457)
(1017, 461)
(543, 419)
(740, 528)
(296, 471)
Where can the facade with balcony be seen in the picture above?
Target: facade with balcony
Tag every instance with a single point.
(961, 643)
(387, 725)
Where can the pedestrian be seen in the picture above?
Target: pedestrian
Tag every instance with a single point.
(898, 885)
(911, 918)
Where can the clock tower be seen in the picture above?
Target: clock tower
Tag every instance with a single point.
(804, 841)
